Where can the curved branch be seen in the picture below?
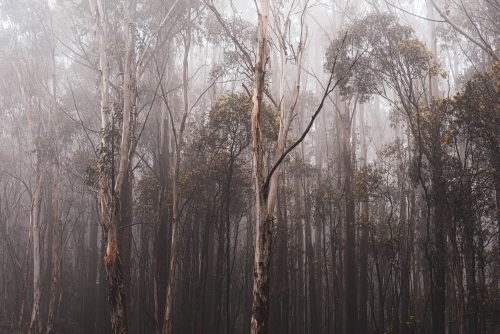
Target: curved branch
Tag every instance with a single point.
(327, 92)
(409, 13)
(306, 131)
(246, 57)
(485, 47)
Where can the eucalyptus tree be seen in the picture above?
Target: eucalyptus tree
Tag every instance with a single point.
(266, 183)
(111, 185)
(476, 22)
(129, 65)
(394, 60)
(178, 123)
(31, 51)
(220, 158)
(479, 23)
(179, 141)
(230, 125)
(19, 183)
(472, 135)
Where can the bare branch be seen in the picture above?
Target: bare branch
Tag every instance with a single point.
(246, 56)
(327, 92)
(485, 47)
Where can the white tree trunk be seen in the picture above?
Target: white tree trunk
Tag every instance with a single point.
(169, 304)
(110, 194)
(260, 305)
(35, 214)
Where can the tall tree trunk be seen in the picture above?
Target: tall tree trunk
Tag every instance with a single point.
(218, 277)
(425, 265)
(412, 227)
(56, 222)
(338, 238)
(472, 303)
(248, 270)
(184, 322)
(439, 258)
(460, 298)
(311, 270)
(104, 319)
(114, 274)
(195, 280)
(108, 202)
(263, 218)
(111, 189)
(405, 252)
(144, 292)
(35, 222)
(91, 300)
(169, 304)
(299, 227)
(266, 186)
(350, 247)
(227, 212)
(125, 237)
(363, 247)
(471, 308)
(161, 248)
(318, 276)
(160, 262)
(283, 300)
(56, 249)
(24, 293)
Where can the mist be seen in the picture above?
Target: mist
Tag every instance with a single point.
(224, 166)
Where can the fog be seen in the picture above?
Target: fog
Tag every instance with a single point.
(271, 166)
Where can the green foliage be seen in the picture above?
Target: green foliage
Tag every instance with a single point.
(367, 182)
(111, 135)
(217, 162)
(301, 168)
(229, 124)
(476, 111)
(233, 61)
(229, 121)
(386, 53)
(242, 29)
(91, 176)
(147, 189)
(85, 164)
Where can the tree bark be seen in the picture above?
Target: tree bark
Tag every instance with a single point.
(56, 250)
(56, 222)
(169, 304)
(91, 301)
(263, 218)
(111, 189)
(35, 220)
(125, 236)
(363, 247)
(161, 247)
(311, 269)
(405, 253)
(283, 302)
(350, 246)
(439, 258)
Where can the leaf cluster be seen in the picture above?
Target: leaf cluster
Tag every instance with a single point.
(387, 52)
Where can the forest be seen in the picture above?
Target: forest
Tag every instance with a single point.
(234, 167)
